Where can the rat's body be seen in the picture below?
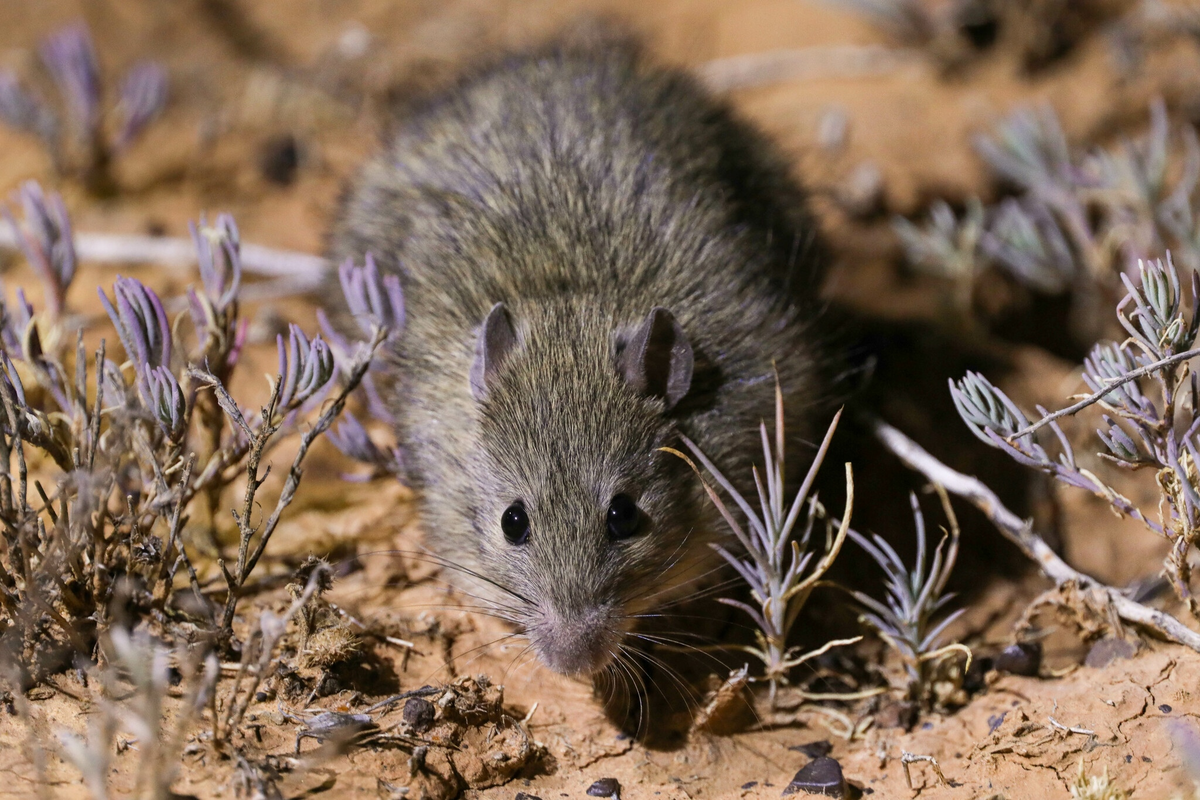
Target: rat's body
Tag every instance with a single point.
(582, 189)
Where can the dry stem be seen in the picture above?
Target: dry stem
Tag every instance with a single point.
(1021, 533)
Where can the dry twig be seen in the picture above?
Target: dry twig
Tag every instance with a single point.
(1020, 533)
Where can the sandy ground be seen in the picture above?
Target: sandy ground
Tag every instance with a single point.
(246, 73)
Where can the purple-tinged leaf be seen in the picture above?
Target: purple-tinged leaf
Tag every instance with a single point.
(219, 256)
(141, 322)
(71, 59)
(26, 111)
(46, 239)
(304, 367)
(143, 97)
(163, 397)
(373, 301)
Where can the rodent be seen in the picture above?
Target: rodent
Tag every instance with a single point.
(596, 256)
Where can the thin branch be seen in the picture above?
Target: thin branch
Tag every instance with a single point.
(322, 424)
(1096, 396)
(1020, 533)
(110, 248)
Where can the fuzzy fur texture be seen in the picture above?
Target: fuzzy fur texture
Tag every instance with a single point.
(582, 187)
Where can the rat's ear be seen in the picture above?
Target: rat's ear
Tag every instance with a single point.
(657, 361)
(497, 338)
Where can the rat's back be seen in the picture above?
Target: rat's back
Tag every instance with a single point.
(578, 170)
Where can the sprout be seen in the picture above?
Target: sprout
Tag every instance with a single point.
(776, 564)
(46, 240)
(374, 303)
(304, 367)
(164, 398)
(87, 153)
(1157, 322)
(914, 599)
(988, 412)
(71, 59)
(140, 321)
(17, 322)
(143, 97)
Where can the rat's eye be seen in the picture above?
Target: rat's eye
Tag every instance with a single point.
(623, 517)
(515, 524)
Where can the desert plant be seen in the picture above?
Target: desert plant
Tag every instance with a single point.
(775, 560)
(82, 137)
(110, 450)
(1081, 220)
(1141, 429)
(908, 621)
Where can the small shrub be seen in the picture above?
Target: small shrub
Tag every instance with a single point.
(1142, 429)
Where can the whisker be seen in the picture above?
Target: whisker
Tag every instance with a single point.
(483, 647)
(427, 556)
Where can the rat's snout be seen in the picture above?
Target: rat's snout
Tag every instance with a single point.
(575, 643)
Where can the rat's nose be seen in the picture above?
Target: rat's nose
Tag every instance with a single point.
(575, 644)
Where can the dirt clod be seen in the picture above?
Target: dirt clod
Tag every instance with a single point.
(822, 776)
(473, 742)
(419, 714)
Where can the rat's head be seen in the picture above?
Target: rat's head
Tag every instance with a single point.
(580, 520)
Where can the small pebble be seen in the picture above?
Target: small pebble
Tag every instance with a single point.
(1108, 650)
(1022, 658)
(1164, 708)
(419, 714)
(605, 787)
(816, 749)
(526, 796)
(749, 784)
(822, 776)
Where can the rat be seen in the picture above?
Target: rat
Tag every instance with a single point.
(597, 258)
